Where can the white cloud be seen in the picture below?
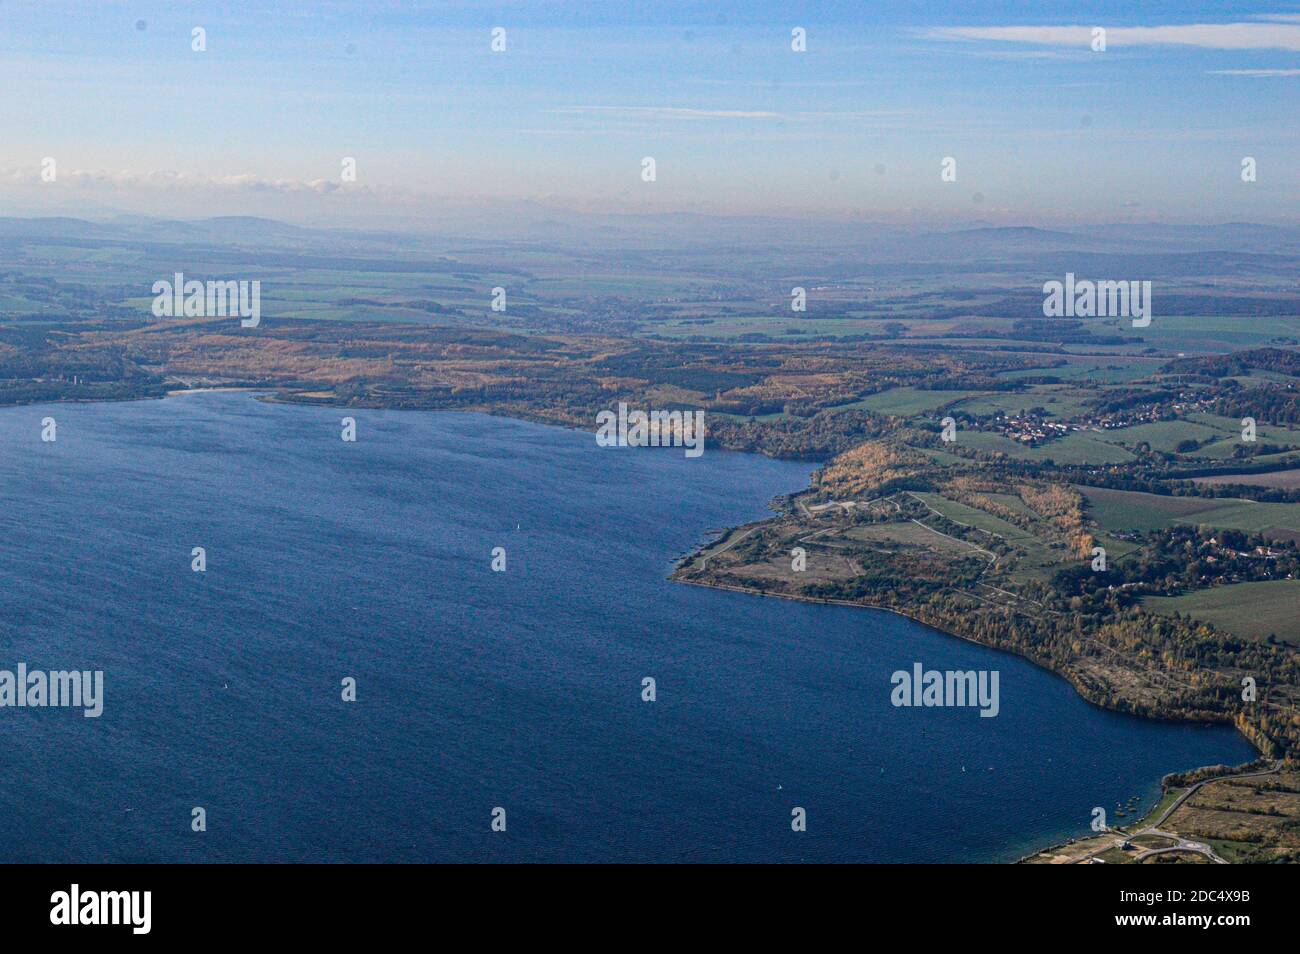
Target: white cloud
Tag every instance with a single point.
(684, 113)
(164, 179)
(1281, 34)
(671, 112)
(1254, 72)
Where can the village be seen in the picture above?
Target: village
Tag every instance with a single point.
(1035, 426)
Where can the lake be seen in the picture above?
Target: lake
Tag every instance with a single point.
(478, 689)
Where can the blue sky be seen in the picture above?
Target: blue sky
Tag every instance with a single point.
(1043, 128)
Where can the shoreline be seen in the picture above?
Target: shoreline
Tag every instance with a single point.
(750, 591)
(1244, 770)
(270, 395)
(216, 389)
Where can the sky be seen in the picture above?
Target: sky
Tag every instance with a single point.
(1043, 128)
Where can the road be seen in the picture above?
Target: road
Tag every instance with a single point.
(1180, 843)
(704, 561)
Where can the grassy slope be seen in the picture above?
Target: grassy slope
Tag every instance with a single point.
(1252, 610)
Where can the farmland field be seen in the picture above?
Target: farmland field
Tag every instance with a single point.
(905, 402)
(905, 534)
(1038, 558)
(1285, 479)
(1059, 402)
(1164, 435)
(1091, 370)
(1252, 610)
(1078, 447)
(1129, 510)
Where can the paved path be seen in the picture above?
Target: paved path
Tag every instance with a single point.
(704, 561)
(1180, 843)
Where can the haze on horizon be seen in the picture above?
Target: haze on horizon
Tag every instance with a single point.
(1044, 129)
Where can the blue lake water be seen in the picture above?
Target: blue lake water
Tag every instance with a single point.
(478, 689)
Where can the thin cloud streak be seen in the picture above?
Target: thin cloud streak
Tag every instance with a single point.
(1275, 35)
(1253, 72)
(670, 112)
(685, 113)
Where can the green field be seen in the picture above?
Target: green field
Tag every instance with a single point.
(1059, 402)
(777, 326)
(1078, 447)
(1116, 549)
(1222, 434)
(943, 458)
(1103, 372)
(1223, 449)
(906, 402)
(1251, 515)
(1217, 332)
(906, 534)
(1164, 435)
(970, 516)
(1038, 559)
(1129, 510)
(1251, 610)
